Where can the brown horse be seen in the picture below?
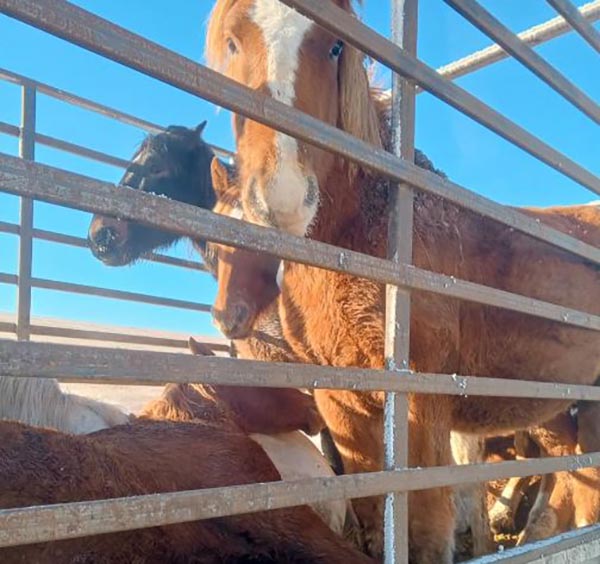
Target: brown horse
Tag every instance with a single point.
(336, 319)
(204, 447)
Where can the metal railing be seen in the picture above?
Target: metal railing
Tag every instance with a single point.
(34, 181)
(29, 137)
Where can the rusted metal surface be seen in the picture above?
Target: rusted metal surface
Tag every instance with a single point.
(25, 256)
(94, 365)
(510, 42)
(57, 186)
(577, 21)
(397, 314)
(73, 23)
(72, 520)
(361, 36)
(533, 36)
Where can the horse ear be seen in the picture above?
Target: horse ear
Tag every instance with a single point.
(199, 349)
(220, 177)
(200, 128)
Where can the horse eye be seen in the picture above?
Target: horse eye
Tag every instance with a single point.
(336, 50)
(231, 46)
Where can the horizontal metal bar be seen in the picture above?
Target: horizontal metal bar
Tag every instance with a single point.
(12, 228)
(70, 329)
(579, 545)
(82, 243)
(8, 278)
(86, 104)
(8, 327)
(9, 129)
(73, 23)
(118, 294)
(96, 364)
(493, 28)
(577, 22)
(381, 49)
(66, 188)
(533, 36)
(72, 520)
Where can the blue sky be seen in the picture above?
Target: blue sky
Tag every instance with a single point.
(470, 154)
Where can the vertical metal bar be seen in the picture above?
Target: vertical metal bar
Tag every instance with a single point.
(26, 151)
(397, 343)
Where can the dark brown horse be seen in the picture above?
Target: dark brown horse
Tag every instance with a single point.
(336, 319)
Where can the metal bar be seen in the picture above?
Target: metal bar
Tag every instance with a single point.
(580, 24)
(82, 243)
(533, 36)
(9, 129)
(12, 228)
(86, 104)
(118, 295)
(66, 188)
(88, 364)
(397, 318)
(579, 545)
(26, 151)
(6, 278)
(72, 23)
(361, 36)
(493, 28)
(73, 520)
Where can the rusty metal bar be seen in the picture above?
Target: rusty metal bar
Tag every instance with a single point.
(89, 364)
(533, 36)
(20, 177)
(118, 295)
(493, 28)
(579, 23)
(26, 151)
(397, 314)
(73, 520)
(86, 104)
(361, 36)
(73, 23)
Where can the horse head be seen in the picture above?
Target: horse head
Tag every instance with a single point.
(174, 164)
(275, 50)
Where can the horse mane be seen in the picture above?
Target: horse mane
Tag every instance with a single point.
(215, 50)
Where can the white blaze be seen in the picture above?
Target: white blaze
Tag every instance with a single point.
(283, 31)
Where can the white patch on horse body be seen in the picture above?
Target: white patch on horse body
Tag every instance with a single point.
(283, 31)
(279, 277)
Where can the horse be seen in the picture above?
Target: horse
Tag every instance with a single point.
(41, 402)
(203, 446)
(333, 318)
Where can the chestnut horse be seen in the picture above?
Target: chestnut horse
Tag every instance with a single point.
(336, 319)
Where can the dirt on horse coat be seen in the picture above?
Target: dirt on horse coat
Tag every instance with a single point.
(336, 319)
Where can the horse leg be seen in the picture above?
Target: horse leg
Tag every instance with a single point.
(504, 510)
(431, 511)
(355, 421)
(553, 510)
(586, 482)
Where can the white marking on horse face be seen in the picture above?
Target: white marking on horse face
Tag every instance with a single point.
(283, 31)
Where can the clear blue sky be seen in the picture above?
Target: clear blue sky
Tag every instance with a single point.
(470, 154)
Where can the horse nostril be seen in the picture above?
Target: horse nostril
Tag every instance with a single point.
(234, 321)
(105, 238)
